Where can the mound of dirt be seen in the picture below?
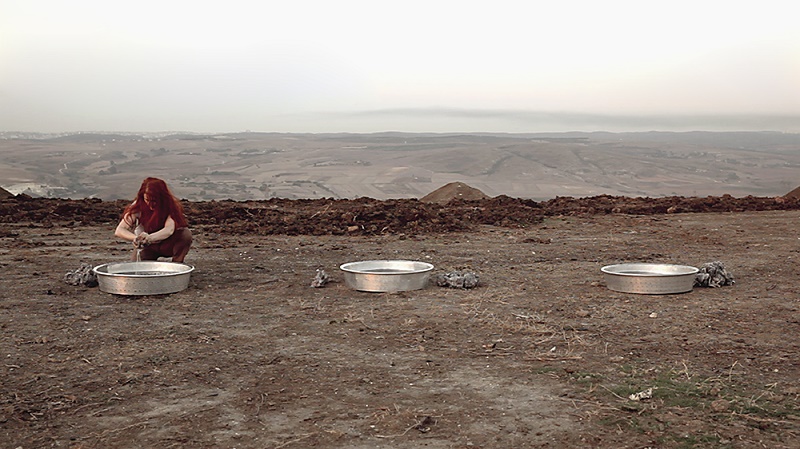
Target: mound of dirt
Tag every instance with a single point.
(793, 194)
(451, 191)
(5, 193)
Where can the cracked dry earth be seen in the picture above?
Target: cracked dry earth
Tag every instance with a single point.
(540, 354)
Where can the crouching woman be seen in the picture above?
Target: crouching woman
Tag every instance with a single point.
(155, 223)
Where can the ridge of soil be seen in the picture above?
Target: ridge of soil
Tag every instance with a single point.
(366, 216)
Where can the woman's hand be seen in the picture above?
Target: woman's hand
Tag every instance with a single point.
(141, 240)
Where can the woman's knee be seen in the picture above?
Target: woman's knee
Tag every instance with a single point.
(185, 238)
(182, 244)
(144, 254)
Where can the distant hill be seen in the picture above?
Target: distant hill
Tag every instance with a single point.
(253, 166)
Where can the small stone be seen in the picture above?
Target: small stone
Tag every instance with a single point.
(720, 405)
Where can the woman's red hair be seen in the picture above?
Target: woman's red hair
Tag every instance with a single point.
(166, 205)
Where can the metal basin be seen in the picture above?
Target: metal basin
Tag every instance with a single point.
(649, 278)
(143, 278)
(386, 275)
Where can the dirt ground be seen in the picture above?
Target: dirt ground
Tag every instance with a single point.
(540, 354)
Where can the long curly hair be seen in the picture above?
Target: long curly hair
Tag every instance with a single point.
(164, 202)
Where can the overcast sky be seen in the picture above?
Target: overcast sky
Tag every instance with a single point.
(366, 66)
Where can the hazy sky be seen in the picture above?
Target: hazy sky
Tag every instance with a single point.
(365, 66)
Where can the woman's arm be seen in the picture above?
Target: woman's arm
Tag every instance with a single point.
(125, 228)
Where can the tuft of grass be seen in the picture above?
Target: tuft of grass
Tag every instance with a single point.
(693, 441)
(715, 400)
(584, 378)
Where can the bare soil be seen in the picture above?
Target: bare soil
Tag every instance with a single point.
(540, 354)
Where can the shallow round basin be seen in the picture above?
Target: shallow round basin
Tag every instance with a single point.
(386, 275)
(649, 278)
(143, 278)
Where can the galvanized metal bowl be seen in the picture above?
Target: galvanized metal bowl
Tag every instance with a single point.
(143, 278)
(386, 275)
(649, 278)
